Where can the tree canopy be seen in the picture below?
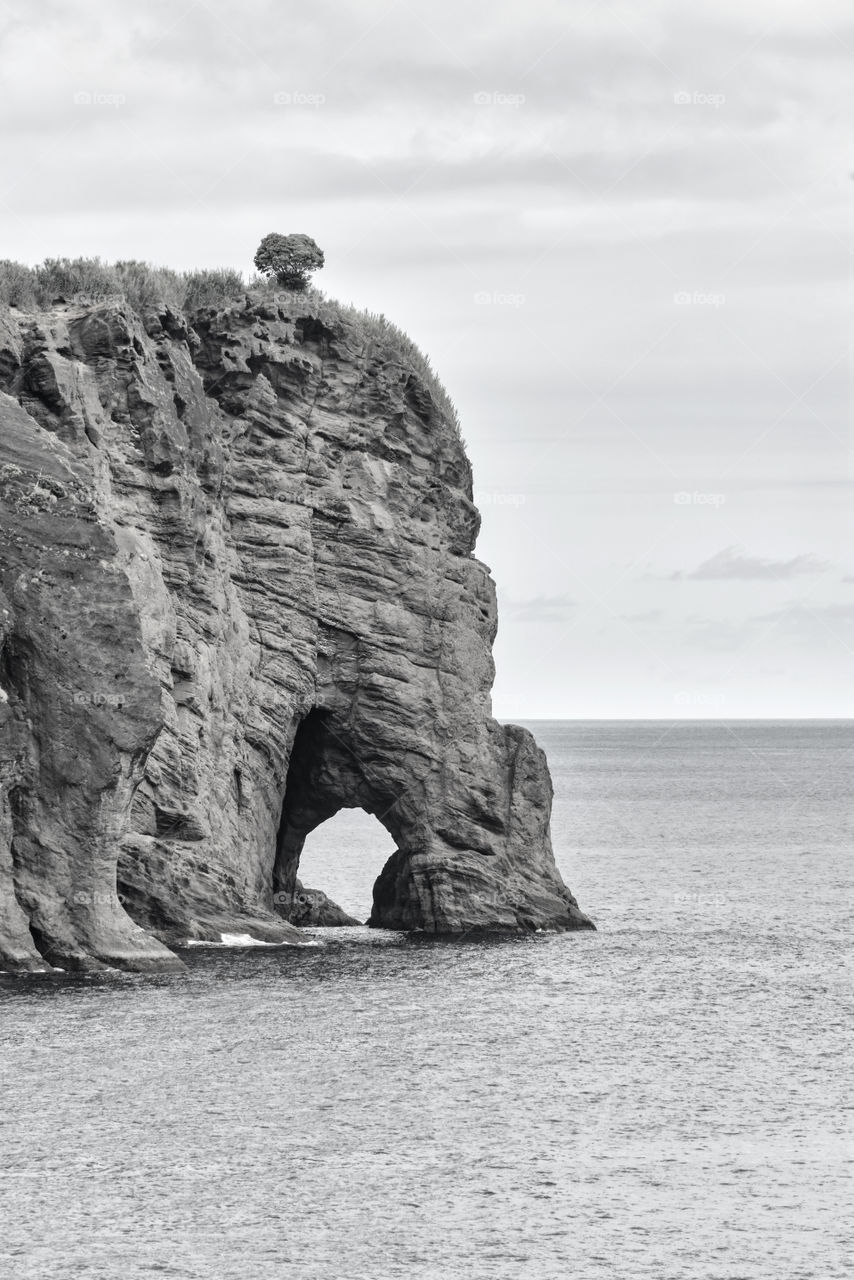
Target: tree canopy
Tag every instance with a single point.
(290, 259)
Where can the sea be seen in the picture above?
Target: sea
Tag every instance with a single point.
(670, 1096)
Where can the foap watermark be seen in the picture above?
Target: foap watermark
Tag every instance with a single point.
(696, 698)
(308, 498)
(498, 498)
(303, 898)
(99, 699)
(296, 497)
(496, 98)
(695, 99)
(298, 98)
(498, 899)
(94, 98)
(290, 298)
(693, 498)
(686, 298)
(494, 298)
(95, 300)
(100, 898)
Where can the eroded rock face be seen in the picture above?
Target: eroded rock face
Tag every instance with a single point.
(237, 593)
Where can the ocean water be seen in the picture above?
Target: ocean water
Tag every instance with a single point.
(668, 1097)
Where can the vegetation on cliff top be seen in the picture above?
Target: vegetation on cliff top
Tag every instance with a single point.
(288, 259)
(89, 281)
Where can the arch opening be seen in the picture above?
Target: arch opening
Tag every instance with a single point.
(342, 858)
(330, 849)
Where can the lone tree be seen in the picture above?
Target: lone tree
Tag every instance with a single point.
(291, 259)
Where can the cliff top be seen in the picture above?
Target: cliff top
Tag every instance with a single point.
(146, 288)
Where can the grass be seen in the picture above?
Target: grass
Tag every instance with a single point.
(87, 281)
(145, 287)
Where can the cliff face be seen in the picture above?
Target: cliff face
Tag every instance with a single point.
(237, 593)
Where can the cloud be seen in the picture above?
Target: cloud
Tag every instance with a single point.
(800, 614)
(399, 93)
(733, 563)
(539, 609)
(649, 615)
(818, 628)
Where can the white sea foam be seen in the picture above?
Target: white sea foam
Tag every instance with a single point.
(242, 940)
(246, 940)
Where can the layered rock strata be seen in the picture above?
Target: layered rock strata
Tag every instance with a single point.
(237, 593)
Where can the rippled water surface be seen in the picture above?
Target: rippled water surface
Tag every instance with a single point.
(669, 1097)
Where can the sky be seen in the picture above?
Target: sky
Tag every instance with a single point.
(621, 231)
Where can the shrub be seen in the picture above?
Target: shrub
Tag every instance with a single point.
(146, 287)
(17, 285)
(212, 288)
(76, 280)
(88, 280)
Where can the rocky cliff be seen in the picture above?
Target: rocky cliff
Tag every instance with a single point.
(237, 593)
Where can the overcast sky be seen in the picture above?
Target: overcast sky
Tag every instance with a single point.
(622, 232)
